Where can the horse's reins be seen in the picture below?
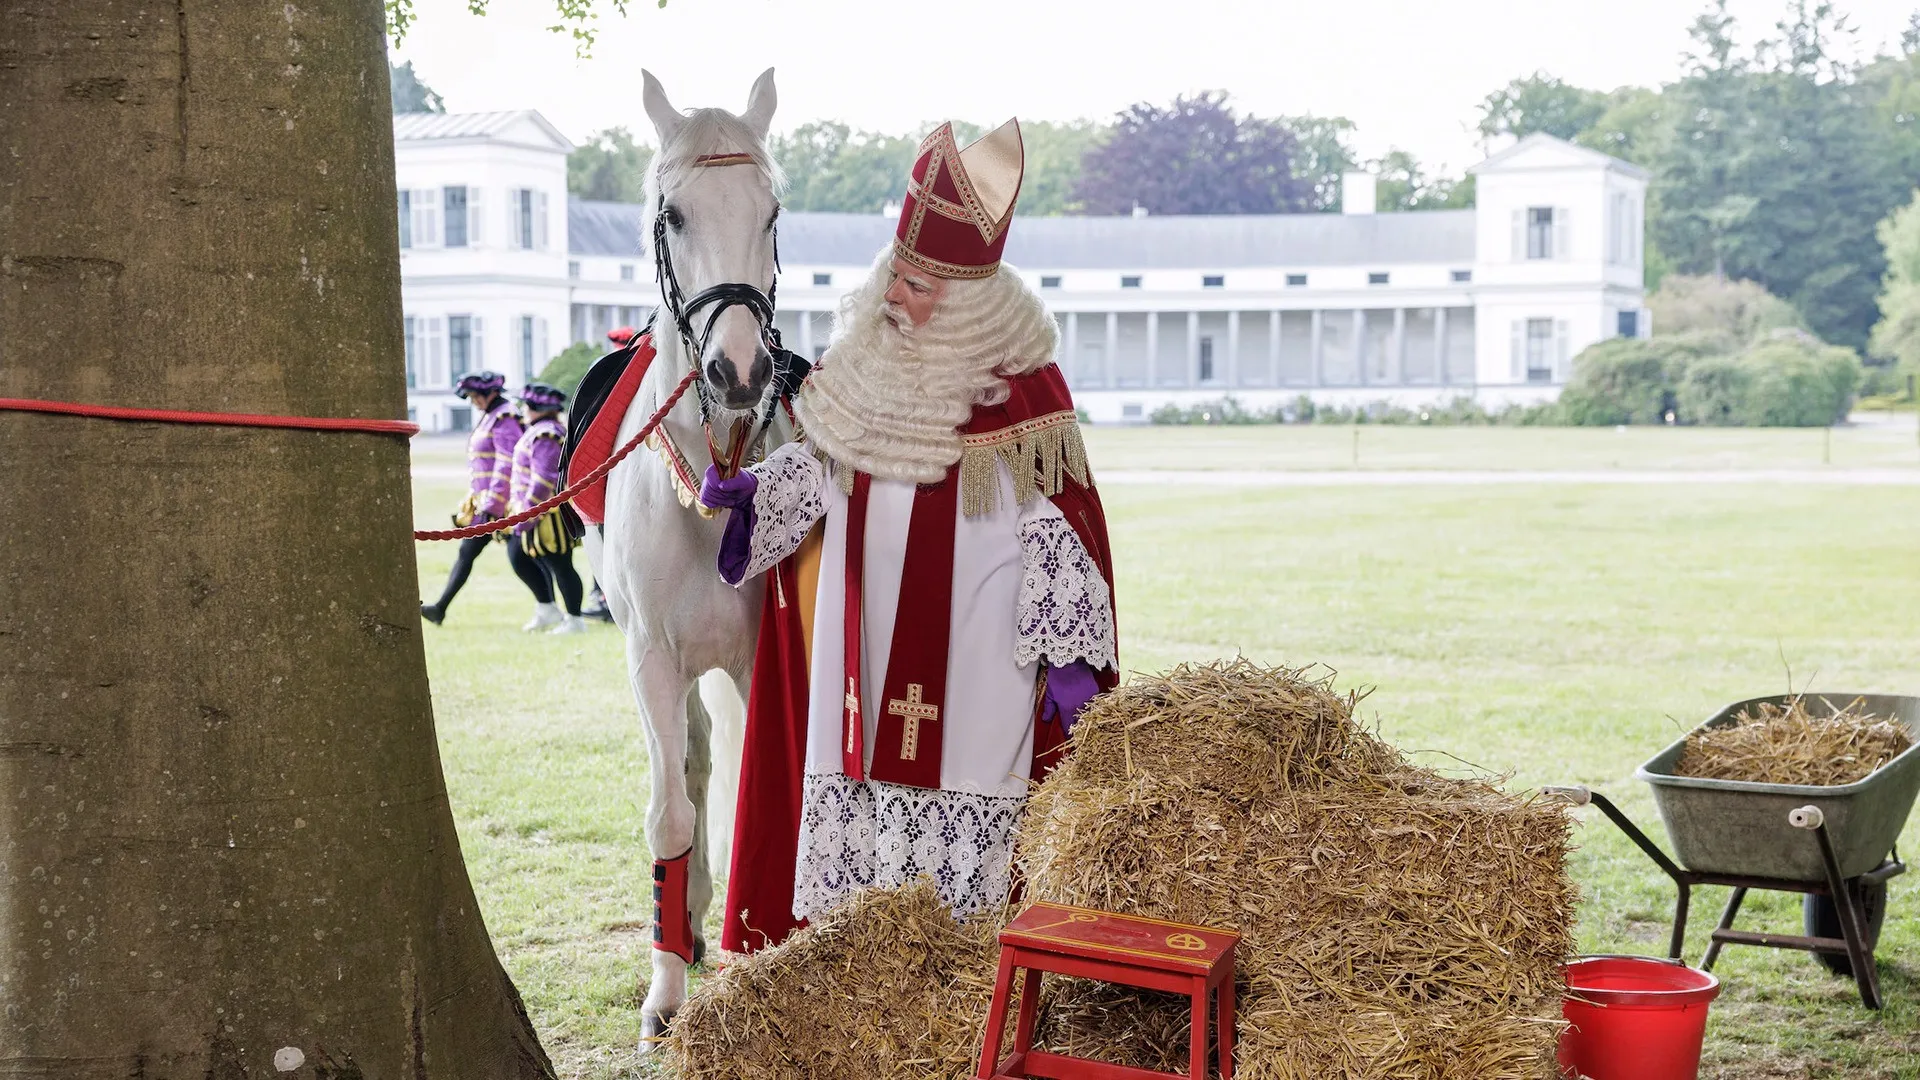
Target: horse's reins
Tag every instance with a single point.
(718, 298)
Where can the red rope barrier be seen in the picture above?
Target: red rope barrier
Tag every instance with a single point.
(572, 489)
(176, 416)
(378, 427)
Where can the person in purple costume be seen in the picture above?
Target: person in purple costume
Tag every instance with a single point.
(541, 550)
(490, 467)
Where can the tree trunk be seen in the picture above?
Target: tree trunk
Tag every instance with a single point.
(225, 843)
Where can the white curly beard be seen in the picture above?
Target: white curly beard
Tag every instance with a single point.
(890, 403)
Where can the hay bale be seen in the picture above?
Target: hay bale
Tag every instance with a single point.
(889, 985)
(1775, 744)
(1395, 921)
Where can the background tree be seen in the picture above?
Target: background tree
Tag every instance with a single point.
(1322, 153)
(609, 166)
(410, 95)
(1404, 185)
(224, 833)
(830, 166)
(1055, 150)
(1194, 156)
(1539, 102)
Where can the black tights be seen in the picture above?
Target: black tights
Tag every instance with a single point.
(470, 549)
(543, 572)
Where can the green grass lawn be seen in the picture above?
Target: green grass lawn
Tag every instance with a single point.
(1560, 634)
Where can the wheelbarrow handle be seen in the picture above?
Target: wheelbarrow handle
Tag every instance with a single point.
(1577, 794)
(1806, 817)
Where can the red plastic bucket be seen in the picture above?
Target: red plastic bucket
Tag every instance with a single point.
(1634, 1018)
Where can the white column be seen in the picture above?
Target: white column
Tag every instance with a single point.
(1070, 362)
(1193, 349)
(1316, 373)
(1153, 349)
(1233, 348)
(1360, 345)
(806, 336)
(1440, 345)
(1397, 348)
(1273, 347)
(1108, 354)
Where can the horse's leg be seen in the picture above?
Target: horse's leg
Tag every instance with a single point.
(661, 690)
(699, 770)
(726, 701)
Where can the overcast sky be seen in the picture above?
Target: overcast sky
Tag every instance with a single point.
(1408, 72)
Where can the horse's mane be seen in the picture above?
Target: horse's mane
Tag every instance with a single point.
(707, 131)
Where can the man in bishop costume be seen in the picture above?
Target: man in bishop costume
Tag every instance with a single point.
(939, 586)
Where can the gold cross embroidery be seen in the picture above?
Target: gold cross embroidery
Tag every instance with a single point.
(853, 713)
(911, 711)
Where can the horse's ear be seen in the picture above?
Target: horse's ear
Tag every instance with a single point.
(760, 104)
(666, 118)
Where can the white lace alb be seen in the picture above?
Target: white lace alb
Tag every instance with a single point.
(1065, 612)
(855, 834)
(788, 500)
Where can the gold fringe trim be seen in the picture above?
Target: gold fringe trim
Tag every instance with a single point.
(1041, 453)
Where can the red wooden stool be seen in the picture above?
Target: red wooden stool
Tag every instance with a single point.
(1122, 949)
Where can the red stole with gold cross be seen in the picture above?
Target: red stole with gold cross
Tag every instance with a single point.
(913, 692)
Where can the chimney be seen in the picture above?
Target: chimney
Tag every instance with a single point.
(1357, 192)
(1139, 211)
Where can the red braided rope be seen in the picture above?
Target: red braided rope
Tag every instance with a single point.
(176, 416)
(572, 489)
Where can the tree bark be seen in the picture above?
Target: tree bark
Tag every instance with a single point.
(225, 841)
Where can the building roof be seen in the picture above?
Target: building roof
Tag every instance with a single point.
(487, 125)
(1541, 150)
(1101, 243)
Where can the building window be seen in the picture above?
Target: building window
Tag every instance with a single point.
(1131, 411)
(406, 220)
(1540, 232)
(527, 219)
(460, 418)
(1130, 281)
(1462, 276)
(573, 269)
(420, 218)
(823, 279)
(453, 201)
(626, 271)
(1213, 281)
(1206, 359)
(1539, 350)
(463, 346)
(1296, 280)
(532, 345)
(1050, 281)
(1627, 323)
(413, 343)
(1377, 277)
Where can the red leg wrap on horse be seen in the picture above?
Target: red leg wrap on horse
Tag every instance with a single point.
(672, 921)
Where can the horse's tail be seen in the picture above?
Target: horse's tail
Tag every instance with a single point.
(595, 541)
(729, 715)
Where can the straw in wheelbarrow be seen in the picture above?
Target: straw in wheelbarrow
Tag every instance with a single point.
(1774, 744)
(1395, 921)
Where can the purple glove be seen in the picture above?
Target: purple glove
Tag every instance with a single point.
(736, 542)
(1068, 691)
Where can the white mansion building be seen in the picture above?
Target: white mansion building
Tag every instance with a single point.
(1357, 307)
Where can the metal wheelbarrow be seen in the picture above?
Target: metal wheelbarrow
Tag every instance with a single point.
(1835, 844)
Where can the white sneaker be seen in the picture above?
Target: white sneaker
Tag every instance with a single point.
(544, 615)
(572, 624)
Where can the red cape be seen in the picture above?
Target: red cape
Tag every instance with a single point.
(766, 836)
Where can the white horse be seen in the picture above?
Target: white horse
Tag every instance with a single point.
(657, 562)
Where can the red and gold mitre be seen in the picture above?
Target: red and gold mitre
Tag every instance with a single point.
(960, 202)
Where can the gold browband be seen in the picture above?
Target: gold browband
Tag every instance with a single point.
(712, 161)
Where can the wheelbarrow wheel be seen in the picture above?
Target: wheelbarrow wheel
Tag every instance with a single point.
(1823, 920)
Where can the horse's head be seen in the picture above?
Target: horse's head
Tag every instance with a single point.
(712, 198)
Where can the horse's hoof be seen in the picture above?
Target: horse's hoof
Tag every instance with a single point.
(653, 1030)
(699, 950)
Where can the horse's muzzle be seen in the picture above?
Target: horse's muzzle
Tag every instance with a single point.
(723, 376)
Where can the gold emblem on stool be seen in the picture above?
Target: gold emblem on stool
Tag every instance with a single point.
(1185, 942)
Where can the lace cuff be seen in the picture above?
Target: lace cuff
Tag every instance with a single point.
(859, 834)
(791, 496)
(1065, 611)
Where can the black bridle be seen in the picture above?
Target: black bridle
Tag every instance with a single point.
(788, 369)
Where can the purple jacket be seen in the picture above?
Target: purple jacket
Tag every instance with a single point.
(536, 465)
(490, 459)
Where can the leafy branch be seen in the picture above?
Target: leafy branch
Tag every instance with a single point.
(577, 17)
